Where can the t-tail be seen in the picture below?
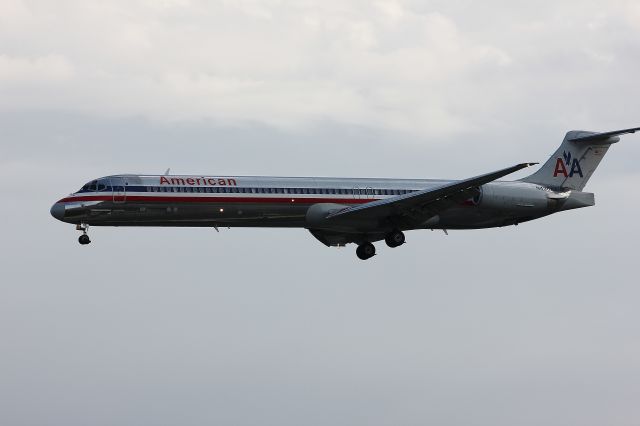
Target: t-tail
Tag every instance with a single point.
(571, 166)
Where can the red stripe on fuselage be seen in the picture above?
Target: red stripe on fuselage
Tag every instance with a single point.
(183, 199)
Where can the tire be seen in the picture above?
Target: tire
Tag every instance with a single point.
(395, 238)
(366, 251)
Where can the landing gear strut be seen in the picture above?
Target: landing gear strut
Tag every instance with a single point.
(395, 238)
(366, 251)
(84, 238)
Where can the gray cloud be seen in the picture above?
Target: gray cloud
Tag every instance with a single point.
(396, 65)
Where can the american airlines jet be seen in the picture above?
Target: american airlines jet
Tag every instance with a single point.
(338, 211)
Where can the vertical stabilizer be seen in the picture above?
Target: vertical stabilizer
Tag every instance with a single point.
(571, 166)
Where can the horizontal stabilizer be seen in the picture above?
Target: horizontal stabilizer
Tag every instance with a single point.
(601, 137)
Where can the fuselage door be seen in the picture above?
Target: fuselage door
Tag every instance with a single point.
(369, 193)
(119, 190)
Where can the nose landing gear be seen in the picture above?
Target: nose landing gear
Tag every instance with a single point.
(84, 238)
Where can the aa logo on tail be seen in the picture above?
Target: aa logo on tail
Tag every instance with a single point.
(563, 163)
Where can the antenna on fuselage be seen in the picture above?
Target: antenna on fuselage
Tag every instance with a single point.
(167, 172)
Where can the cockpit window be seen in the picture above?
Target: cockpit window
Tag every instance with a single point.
(90, 187)
(104, 185)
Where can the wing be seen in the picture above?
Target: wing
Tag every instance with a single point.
(420, 205)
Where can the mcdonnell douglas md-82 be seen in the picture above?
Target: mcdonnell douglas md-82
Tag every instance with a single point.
(338, 211)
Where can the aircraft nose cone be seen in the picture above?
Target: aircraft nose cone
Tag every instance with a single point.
(57, 211)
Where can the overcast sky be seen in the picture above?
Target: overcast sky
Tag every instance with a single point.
(528, 325)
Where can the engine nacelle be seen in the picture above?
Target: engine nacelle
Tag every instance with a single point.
(514, 196)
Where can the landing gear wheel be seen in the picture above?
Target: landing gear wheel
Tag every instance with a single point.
(84, 239)
(366, 251)
(394, 238)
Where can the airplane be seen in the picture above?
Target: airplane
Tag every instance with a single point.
(339, 211)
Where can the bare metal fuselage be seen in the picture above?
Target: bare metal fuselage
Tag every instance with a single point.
(132, 200)
(338, 211)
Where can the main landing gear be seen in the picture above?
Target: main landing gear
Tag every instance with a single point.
(367, 250)
(84, 238)
(395, 238)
